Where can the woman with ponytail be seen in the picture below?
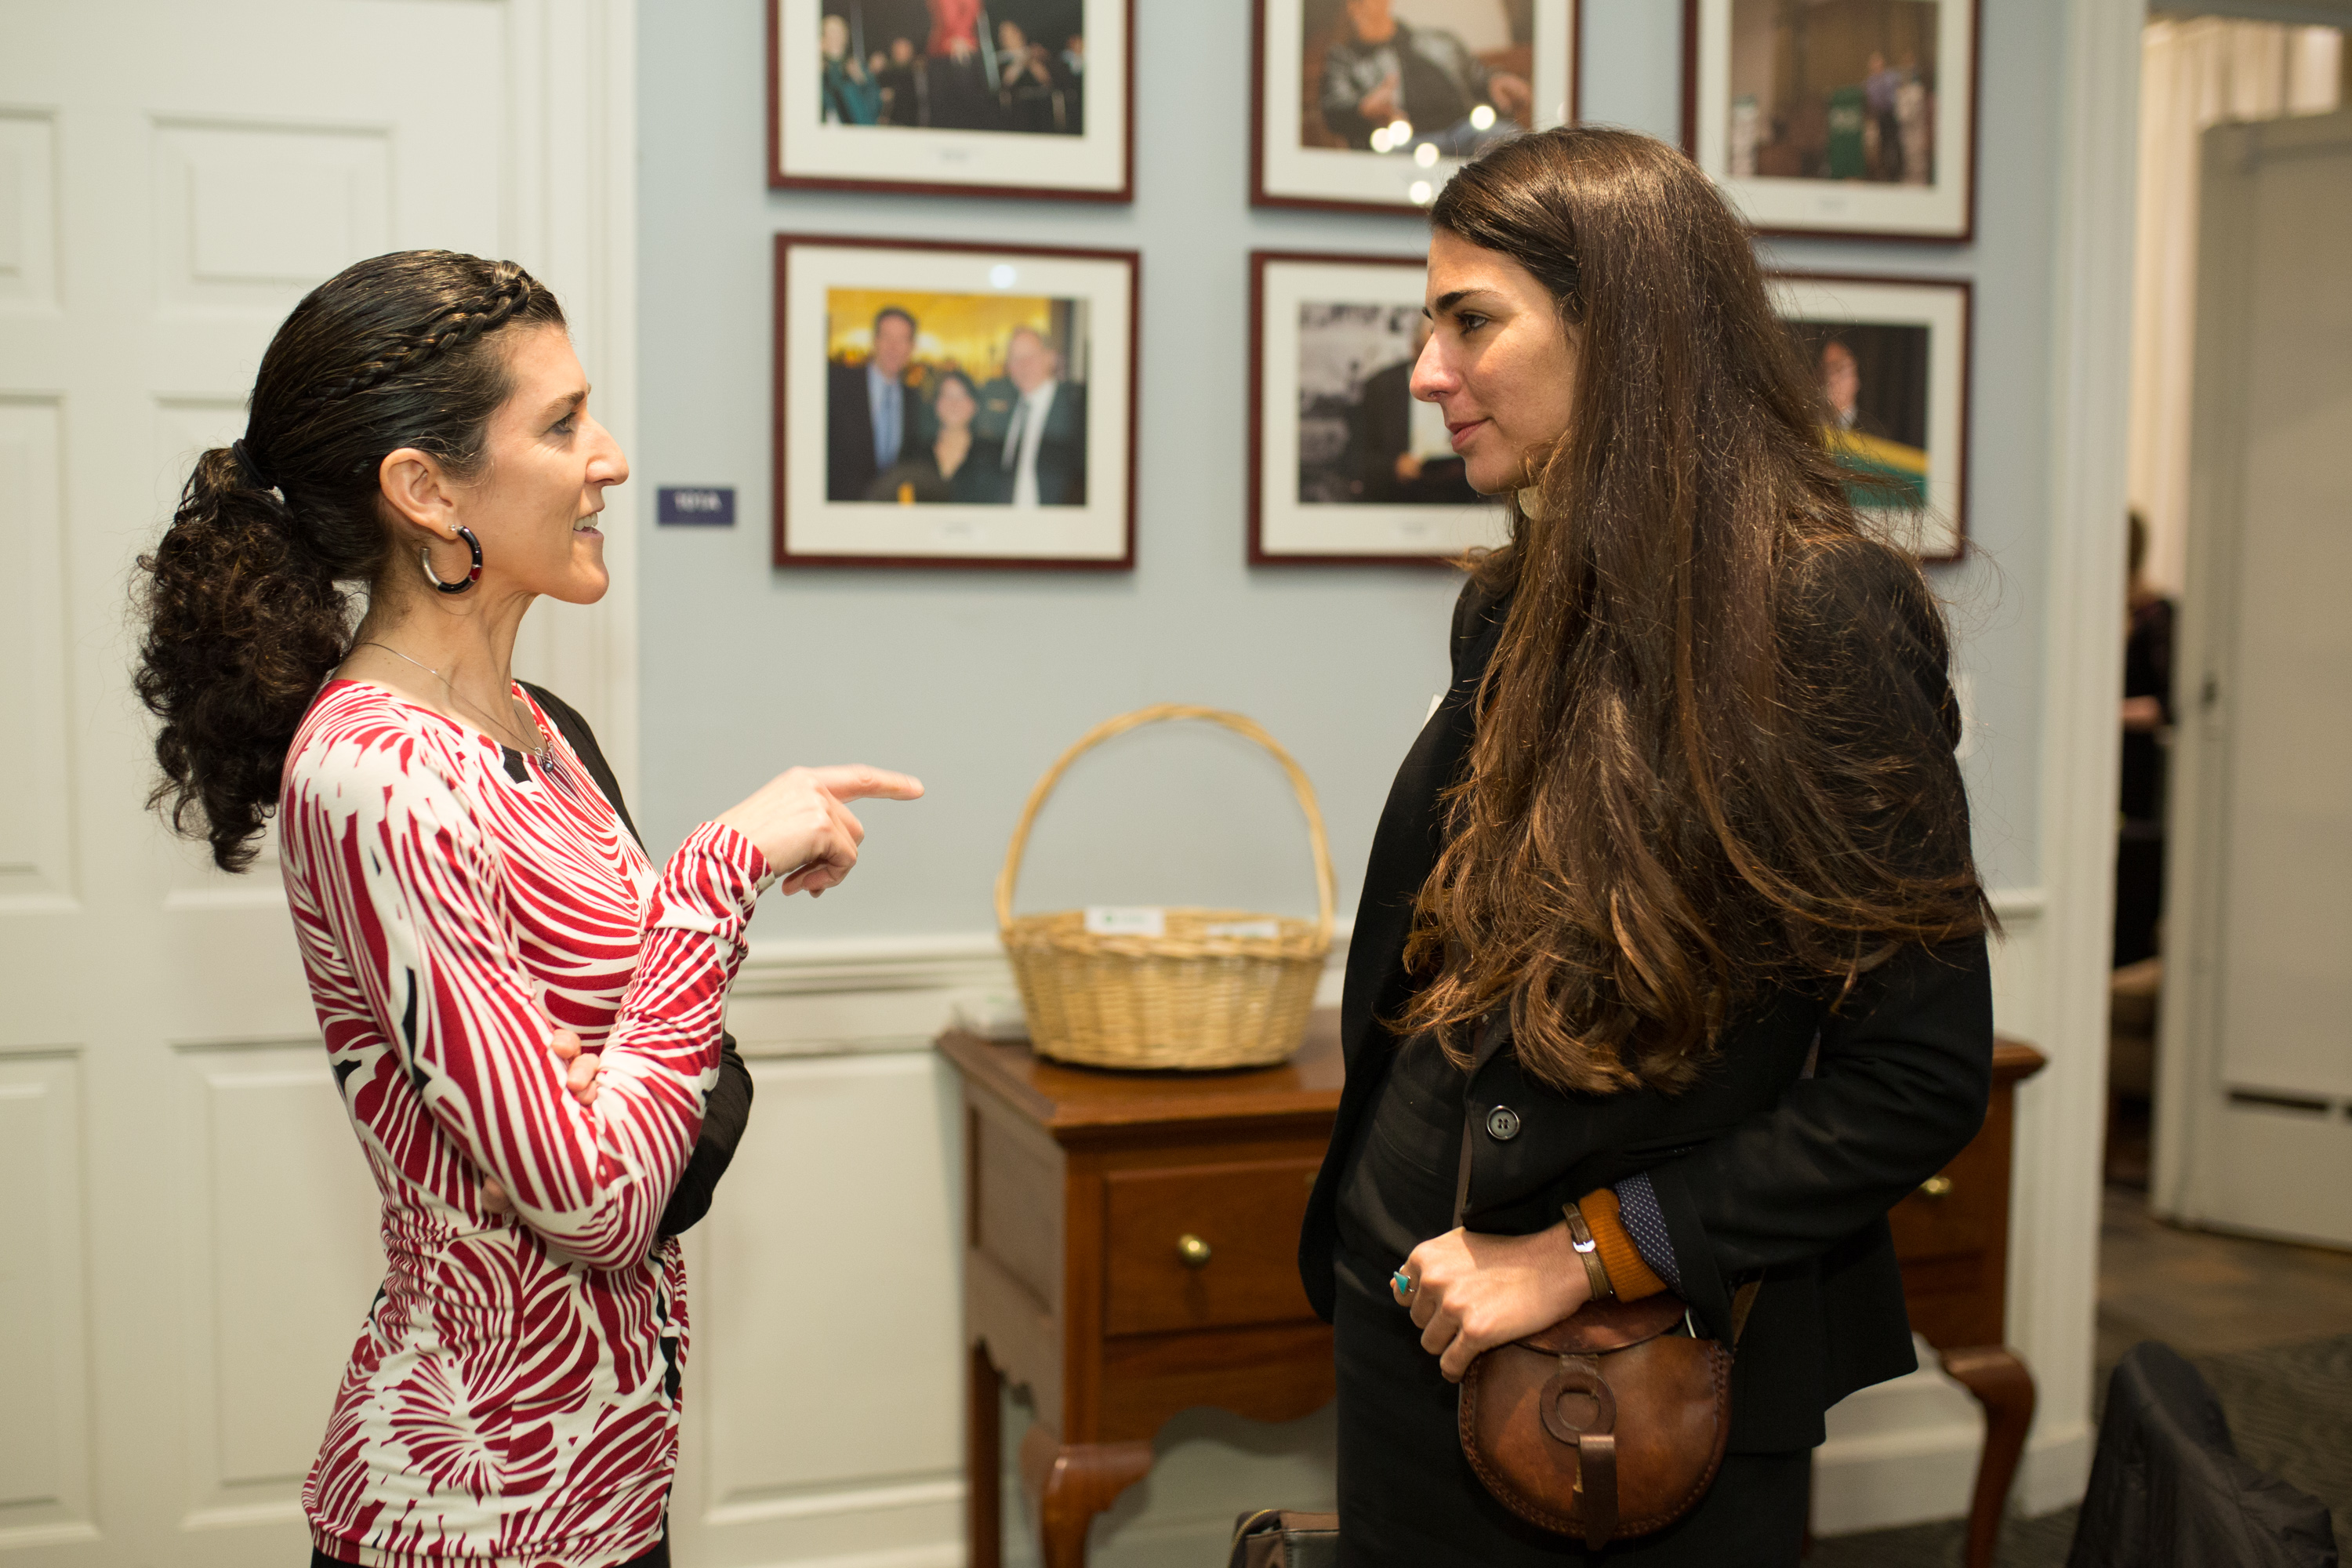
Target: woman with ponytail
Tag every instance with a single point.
(1670, 971)
(523, 1011)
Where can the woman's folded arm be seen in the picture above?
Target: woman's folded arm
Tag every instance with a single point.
(423, 902)
(1899, 1087)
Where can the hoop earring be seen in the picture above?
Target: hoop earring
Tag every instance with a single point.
(473, 574)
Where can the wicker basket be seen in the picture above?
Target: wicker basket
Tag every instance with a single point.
(1192, 997)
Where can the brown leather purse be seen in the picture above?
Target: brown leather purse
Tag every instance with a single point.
(1607, 1425)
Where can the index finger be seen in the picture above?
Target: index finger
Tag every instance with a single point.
(857, 782)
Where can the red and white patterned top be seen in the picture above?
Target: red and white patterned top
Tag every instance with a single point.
(513, 1397)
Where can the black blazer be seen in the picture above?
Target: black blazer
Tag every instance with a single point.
(849, 465)
(727, 1107)
(1760, 1171)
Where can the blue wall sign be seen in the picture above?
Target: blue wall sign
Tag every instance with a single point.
(705, 505)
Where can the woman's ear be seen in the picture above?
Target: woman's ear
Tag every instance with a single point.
(417, 490)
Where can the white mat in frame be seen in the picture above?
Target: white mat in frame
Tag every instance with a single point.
(1287, 173)
(805, 150)
(1939, 530)
(1282, 526)
(1943, 209)
(811, 529)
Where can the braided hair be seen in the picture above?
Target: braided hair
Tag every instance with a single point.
(243, 600)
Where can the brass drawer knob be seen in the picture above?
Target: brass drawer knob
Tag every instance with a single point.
(1936, 1187)
(1192, 1251)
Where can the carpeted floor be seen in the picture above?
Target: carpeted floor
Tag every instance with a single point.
(2262, 1320)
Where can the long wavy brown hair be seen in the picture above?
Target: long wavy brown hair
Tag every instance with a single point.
(1714, 756)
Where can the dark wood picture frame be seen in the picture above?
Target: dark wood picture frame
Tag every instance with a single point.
(1963, 235)
(1258, 552)
(780, 179)
(783, 555)
(1965, 381)
(1261, 197)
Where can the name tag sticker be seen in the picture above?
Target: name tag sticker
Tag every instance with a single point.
(1104, 921)
(1245, 928)
(696, 506)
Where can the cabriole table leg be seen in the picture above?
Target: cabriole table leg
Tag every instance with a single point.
(2005, 1388)
(1071, 1483)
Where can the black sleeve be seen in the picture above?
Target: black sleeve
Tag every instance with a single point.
(1900, 1088)
(1905, 1065)
(724, 1115)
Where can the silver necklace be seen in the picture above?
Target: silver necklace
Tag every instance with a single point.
(538, 753)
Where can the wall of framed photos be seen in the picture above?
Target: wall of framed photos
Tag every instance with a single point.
(976, 680)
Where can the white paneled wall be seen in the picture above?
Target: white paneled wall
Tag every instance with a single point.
(44, 1470)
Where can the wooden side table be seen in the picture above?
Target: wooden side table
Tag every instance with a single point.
(1952, 1238)
(1131, 1251)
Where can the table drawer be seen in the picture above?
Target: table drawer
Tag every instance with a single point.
(1205, 1245)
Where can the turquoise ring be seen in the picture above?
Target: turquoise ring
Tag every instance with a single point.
(1404, 1284)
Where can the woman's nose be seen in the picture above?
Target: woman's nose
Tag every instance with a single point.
(1431, 378)
(612, 465)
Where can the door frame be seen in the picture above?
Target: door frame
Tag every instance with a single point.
(2191, 1099)
(576, 229)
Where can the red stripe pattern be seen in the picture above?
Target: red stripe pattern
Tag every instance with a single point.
(513, 1397)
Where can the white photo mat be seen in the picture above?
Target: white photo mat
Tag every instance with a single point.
(810, 526)
(808, 149)
(1935, 211)
(1935, 532)
(1287, 170)
(1286, 526)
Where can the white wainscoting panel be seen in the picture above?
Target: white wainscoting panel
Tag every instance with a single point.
(281, 1224)
(248, 217)
(45, 1453)
(825, 1371)
(36, 777)
(28, 211)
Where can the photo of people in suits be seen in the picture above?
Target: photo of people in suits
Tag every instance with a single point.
(936, 398)
(1833, 89)
(1362, 435)
(1873, 377)
(955, 65)
(1394, 77)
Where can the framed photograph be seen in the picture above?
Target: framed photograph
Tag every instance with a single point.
(1891, 358)
(1011, 98)
(952, 405)
(1853, 117)
(1345, 463)
(1369, 105)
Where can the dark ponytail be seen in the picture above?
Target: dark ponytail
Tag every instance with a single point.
(244, 601)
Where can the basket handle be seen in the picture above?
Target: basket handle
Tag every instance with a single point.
(1161, 713)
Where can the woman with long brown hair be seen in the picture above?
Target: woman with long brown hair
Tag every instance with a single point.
(1670, 971)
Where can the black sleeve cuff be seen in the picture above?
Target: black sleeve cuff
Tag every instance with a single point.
(724, 1114)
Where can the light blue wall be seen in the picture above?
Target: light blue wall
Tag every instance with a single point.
(976, 681)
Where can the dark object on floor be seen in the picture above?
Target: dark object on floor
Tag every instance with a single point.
(1281, 1538)
(2290, 1409)
(2168, 1489)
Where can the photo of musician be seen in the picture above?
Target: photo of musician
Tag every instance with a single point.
(1362, 435)
(966, 399)
(1844, 90)
(1016, 66)
(1873, 377)
(1392, 76)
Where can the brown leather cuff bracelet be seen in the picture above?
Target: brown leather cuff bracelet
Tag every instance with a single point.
(1579, 1236)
